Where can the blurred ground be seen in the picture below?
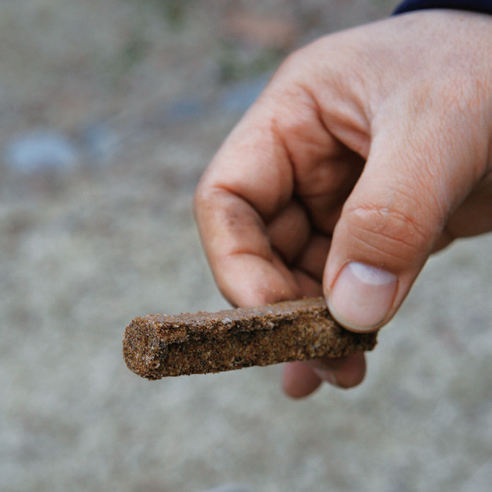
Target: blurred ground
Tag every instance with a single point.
(131, 99)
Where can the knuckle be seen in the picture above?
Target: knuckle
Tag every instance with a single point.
(392, 236)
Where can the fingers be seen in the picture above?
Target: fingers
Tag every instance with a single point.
(248, 182)
(303, 378)
(341, 372)
(251, 225)
(299, 380)
(288, 231)
(415, 177)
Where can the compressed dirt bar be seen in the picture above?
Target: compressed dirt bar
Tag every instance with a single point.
(156, 346)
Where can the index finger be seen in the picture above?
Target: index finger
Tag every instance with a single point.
(279, 149)
(247, 183)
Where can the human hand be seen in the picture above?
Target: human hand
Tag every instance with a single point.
(369, 150)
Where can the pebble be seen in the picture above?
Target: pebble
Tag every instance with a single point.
(40, 150)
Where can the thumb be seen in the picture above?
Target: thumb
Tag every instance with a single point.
(391, 221)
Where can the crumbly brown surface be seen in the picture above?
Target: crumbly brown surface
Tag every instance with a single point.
(156, 346)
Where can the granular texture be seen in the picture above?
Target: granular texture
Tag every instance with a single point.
(156, 346)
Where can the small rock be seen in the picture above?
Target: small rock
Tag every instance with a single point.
(41, 150)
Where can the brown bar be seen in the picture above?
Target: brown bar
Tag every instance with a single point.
(156, 346)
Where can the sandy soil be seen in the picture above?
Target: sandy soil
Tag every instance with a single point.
(137, 87)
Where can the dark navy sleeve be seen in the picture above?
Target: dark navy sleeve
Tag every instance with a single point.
(484, 6)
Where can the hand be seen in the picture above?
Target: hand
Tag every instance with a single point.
(369, 150)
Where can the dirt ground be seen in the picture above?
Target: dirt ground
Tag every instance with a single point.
(143, 93)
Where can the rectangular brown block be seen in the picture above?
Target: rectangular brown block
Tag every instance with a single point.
(156, 346)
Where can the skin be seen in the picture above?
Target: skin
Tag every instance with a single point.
(371, 145)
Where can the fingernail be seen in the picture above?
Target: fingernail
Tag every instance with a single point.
(362, 296)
